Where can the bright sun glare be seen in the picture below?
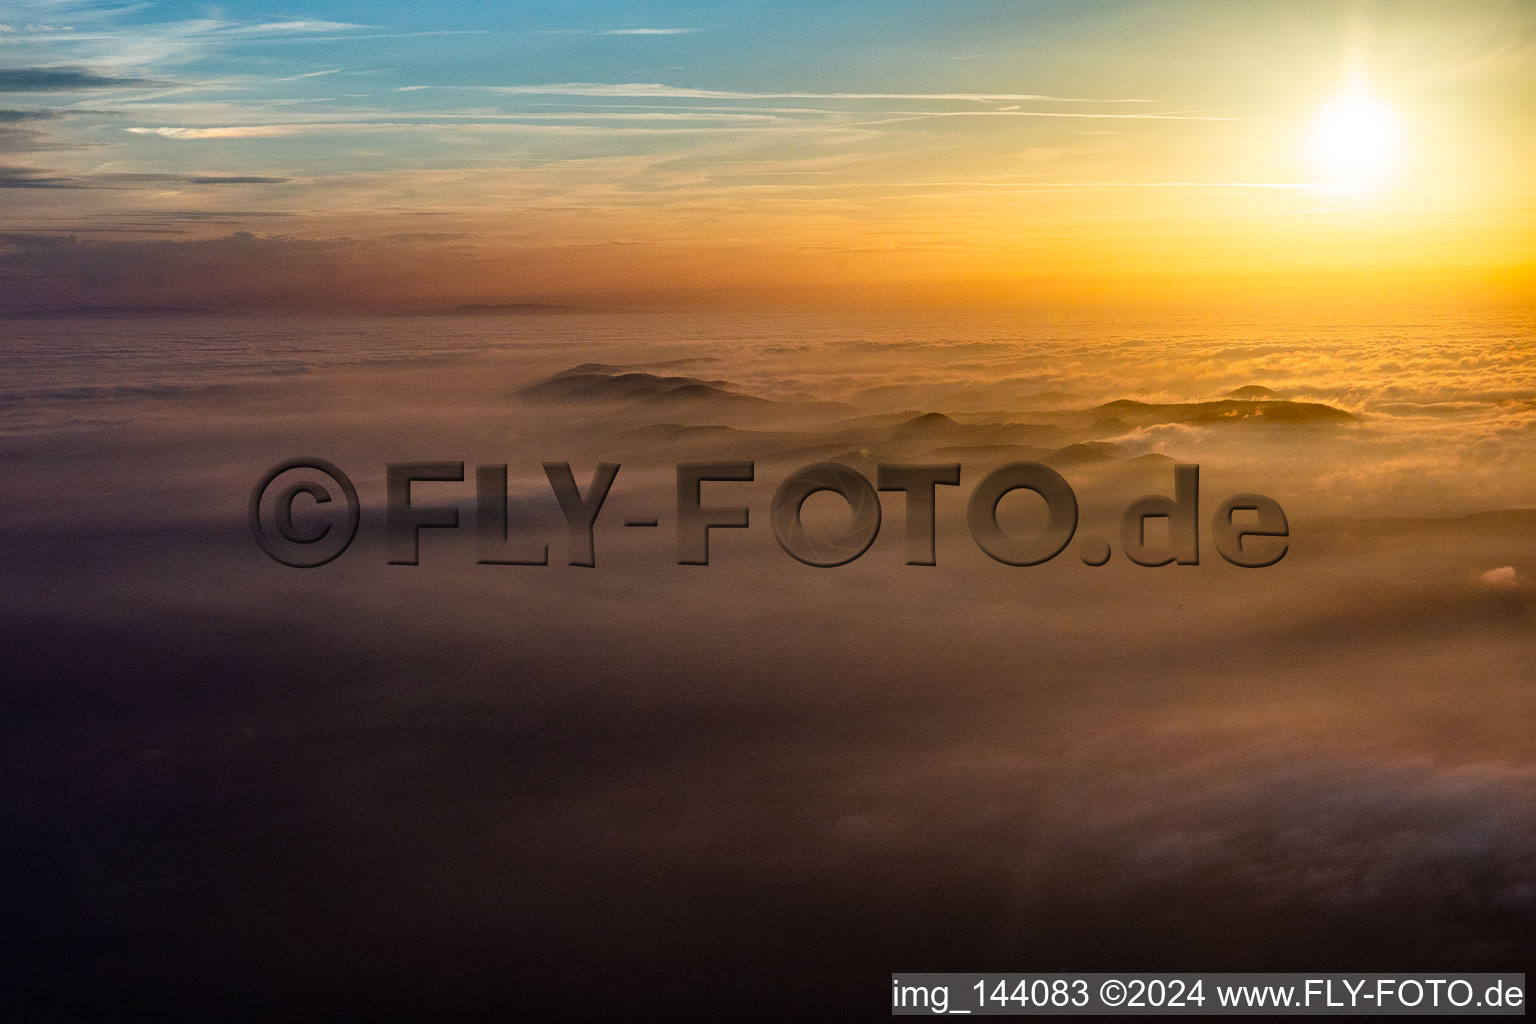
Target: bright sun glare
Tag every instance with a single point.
(1356, 138)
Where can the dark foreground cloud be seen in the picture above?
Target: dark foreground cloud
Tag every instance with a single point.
(13, 116)
(26, 140)
(35, 177)
(64, 79)
(191, 179)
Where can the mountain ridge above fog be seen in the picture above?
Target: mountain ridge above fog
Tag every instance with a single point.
(1229, 409)
(685, 417)
(600, 382)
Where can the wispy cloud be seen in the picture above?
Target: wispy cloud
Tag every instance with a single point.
(108, 39)
(295, 25)
(618, 31)
(922, 115)
(247, 131)
(190, 179)
(656, 89)
(529, 124)
(40, 178)
(311, 74)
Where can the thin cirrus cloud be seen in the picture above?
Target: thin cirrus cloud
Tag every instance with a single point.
(586, 123)
(39, 178)
(922, 115)
(184, 133)
(649, 31)
(102, 40)
(312, 74)
(246, 131)
(657, 90)
(619, 31)
(192, 179)
(293, 25)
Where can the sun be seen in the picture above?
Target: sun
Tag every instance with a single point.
(1356, 138)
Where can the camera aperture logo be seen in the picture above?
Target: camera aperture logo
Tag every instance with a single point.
(325, 529)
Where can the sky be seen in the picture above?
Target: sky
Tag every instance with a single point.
(357, 156)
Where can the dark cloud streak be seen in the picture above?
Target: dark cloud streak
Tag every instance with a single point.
(192, 179)
(41, 178)
(13, 116)
(35, 177)
(65, 79)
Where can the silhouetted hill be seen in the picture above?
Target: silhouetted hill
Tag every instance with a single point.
(937, 428)
(1226, 411)
(1084, 451)
(673, 395)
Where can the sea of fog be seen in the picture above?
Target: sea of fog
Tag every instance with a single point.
(758, 785)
